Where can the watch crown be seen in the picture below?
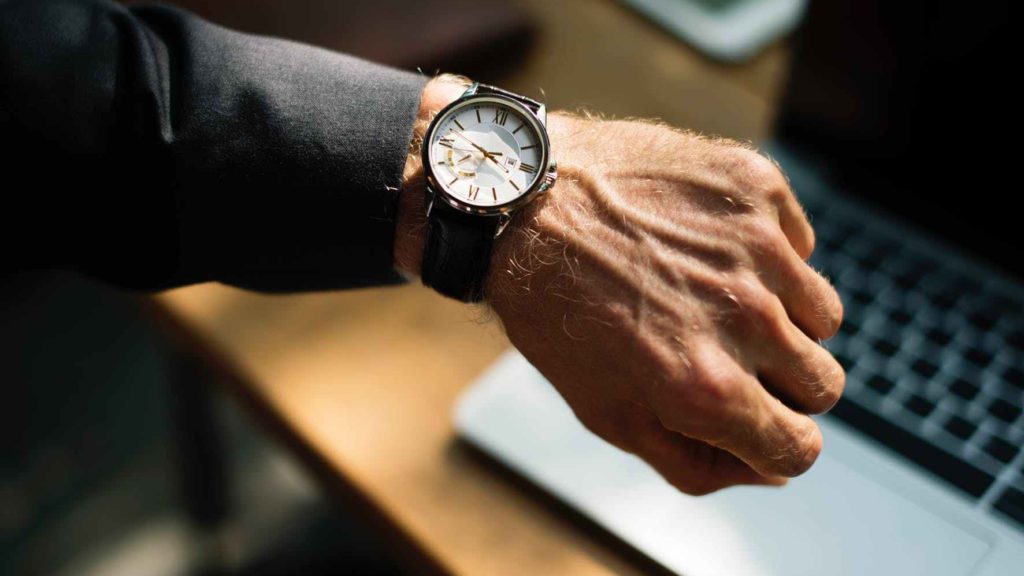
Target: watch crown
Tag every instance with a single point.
(550, 177)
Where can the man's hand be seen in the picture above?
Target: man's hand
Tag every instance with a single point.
(661, 286)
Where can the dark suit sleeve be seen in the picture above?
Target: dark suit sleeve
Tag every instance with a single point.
(152, 149)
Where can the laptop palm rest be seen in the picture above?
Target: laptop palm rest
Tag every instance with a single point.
(833, 520)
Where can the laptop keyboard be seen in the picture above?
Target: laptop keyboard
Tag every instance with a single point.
(934, 356)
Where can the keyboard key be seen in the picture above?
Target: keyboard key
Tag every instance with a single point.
(952, 469)
(960, 427)
(885, 347)
(844, 359)
(1011, 503)
(950, 289)
(925, 368)
(1004, 410)
(946, 299)
(909, 277)
(880, 384)
(920, 406)
(978, 357)
(964, 389)
(1003, 304)
(833, 235)
(984, 320)
(862, 297)
(831, 244)
(1016, 339)
(901, 317)
(939, 337)
(869, 261)
(1000, 449)
(1014, 376)
(849, 327)
(890, 248)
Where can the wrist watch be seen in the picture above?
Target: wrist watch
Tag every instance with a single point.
(485, 155)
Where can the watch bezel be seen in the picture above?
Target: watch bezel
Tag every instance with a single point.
(496, 210)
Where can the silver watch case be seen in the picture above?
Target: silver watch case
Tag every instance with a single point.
(536, 115)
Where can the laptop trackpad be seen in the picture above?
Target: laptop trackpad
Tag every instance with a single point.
(833, 520)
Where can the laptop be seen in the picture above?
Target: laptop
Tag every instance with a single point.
(890, 133)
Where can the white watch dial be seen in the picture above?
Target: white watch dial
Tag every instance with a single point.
(486, 152)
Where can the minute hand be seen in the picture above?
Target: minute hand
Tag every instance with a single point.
(488, 155)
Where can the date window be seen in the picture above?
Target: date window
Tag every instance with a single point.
(510, 161)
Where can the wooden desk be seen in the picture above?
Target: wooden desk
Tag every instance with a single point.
(361, 384)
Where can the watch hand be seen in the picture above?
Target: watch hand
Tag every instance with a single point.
(474, 144)
(488, 155)
(491, 158)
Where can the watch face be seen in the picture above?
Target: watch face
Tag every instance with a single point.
(487, 152)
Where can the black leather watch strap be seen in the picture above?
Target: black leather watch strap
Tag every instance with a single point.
(458, 252)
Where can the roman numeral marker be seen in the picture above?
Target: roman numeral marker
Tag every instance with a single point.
(494, 192)
(528, 168)
(446, 142)
(454, 180)
(513, 184)
(500, 116)
(518, 129)
(528, 147)
(474, 191)
(478, 120)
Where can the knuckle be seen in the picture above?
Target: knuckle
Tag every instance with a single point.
(687, 403)
(803, 452)
(765, 239)
(765, 175)
(814, 378)
(826, 306)
(712, 382)
(760, 308)
(826, 390)
(835, 385)
(811, 239)
(836, 310)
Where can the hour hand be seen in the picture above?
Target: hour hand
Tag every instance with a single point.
(492, 159)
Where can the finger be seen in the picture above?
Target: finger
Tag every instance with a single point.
(719, 402)
(795, 225)
(809, 300)
(792, 218)
(800, 371)
(695, 467)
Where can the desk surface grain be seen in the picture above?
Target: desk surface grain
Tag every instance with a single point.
(361, 384)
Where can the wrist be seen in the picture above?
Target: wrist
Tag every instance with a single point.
(410, 229)
(531, 254)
